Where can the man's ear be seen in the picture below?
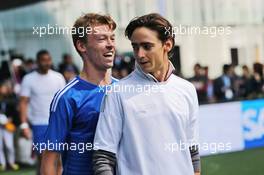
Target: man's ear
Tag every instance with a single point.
(80, 46)
(168, 45)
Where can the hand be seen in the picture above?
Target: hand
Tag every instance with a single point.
(26, 133)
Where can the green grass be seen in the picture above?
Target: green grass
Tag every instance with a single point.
(250, 162)
(22, 171)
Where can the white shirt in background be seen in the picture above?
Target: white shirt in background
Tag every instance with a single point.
(40, 88)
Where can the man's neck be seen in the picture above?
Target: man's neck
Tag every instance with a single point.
(161, 74)
(42, 72)
(95, 76)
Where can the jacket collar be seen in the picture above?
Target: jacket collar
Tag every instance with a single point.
(151, 77)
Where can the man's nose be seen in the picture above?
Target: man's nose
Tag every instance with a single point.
(110, 44)
(140, 53)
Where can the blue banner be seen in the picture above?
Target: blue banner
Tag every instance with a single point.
(253, 123)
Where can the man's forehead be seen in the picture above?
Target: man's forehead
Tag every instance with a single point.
(144, 34)
(144, 40)
(45, 58)
(46, 55)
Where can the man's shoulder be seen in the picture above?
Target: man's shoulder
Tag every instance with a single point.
(183, 84)
(131, 78)
(182, 81)
(70, 88)
(218, 79)
(66, 95)
(56, 74)
(30, 76)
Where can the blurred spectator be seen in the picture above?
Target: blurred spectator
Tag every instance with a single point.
(210, 88)
(224, 85)
(257, 82)
(69, 73)
(124, 72)
(29, 66)
(7, 128)
(5, 71)
(9, 101)
(123, 66)
(37, 91)
(18, 73)
(236, 80)
(116, 73)
(200, 80)
(67, 63)
(245, 83)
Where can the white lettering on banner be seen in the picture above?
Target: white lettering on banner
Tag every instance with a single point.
(254, 124)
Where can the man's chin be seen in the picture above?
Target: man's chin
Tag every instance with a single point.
(145, 69)
(44, 70)
(109, 66)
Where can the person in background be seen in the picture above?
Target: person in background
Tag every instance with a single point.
(69, 73)
(257, 82)
(5, 71)
(199, 80)
(245, 83)
(236, 81)
(29, 65)
(223, 85)
(37, 91)
(67, 62)
(7, 127)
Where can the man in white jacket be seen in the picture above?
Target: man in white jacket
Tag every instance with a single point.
(149, 123)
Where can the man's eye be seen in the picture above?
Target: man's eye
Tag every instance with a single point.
(101, 38)
(147, 47)
(135, 47)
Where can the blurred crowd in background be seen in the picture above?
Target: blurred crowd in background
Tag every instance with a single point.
(230, 86)
(235, 83)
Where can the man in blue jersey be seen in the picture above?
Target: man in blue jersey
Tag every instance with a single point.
(75, 109)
